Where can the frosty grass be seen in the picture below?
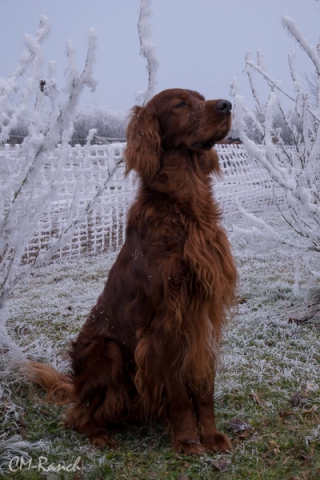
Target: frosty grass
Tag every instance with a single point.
(267, 354)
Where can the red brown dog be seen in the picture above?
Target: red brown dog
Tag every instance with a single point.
(149, 346)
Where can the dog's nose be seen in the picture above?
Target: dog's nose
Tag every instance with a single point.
(224, 106)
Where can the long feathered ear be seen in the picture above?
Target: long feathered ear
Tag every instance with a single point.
(142, 153)
(209, 162)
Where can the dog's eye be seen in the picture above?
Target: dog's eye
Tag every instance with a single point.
(181, 104)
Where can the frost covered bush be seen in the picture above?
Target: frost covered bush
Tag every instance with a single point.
(24, 189)
(31, 182)
(294, 168)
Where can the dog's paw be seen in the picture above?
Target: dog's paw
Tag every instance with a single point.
(189, 447)
(217, 442)
(103, 440)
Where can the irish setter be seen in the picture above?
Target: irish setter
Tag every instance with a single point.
(149, 346)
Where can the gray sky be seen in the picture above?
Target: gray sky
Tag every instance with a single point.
(200, 44)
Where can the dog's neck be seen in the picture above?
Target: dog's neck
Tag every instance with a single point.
(186, 182)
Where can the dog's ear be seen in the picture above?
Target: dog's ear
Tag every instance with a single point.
(209, 162)
(142, 153)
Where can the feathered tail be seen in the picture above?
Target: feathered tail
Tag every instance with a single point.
(59, 387)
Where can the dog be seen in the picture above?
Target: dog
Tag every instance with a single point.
(149, 347)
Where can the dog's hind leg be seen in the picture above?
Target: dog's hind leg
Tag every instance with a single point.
(103, 386)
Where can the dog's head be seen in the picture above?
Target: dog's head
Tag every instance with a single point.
(175, 119)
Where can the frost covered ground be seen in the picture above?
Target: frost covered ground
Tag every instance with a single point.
(268, 381)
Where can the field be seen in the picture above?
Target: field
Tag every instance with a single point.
(267, 397)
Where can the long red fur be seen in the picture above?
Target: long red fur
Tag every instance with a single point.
(149, 346)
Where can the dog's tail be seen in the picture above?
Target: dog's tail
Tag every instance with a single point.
(59, 387)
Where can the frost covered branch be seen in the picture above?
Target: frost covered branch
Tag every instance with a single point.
(31, 182)
(295, 168)
(147, 50)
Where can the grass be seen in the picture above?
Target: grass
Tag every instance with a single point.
(267, 397)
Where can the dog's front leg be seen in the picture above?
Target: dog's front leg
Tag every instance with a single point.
(212, 440)
(162, 391)
(181, 419)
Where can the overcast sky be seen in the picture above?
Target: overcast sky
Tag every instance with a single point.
(200, 44)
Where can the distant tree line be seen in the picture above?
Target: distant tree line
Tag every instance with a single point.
(111, 123)
(108, 124)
